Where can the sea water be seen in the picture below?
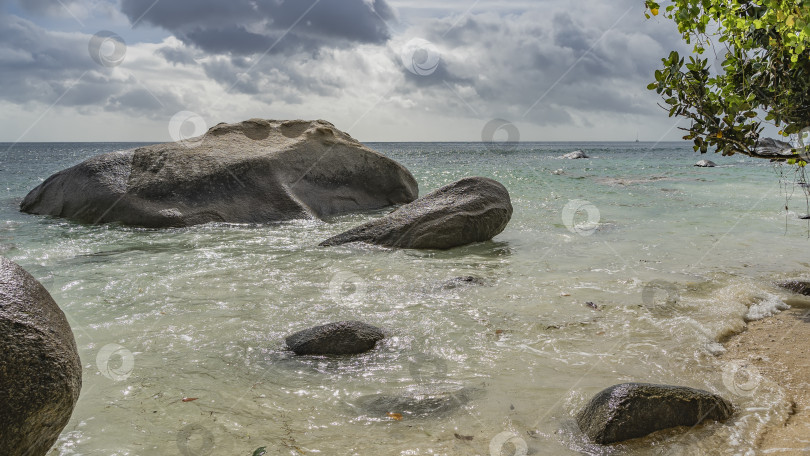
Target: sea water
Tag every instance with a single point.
(629, 266)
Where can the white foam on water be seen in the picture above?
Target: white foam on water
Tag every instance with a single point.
(766, 307)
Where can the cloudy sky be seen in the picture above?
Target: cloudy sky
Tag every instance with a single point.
(383, 70)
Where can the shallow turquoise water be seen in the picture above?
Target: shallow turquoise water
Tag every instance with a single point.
(202, 312)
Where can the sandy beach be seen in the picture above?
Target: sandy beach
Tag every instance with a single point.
(777, 349)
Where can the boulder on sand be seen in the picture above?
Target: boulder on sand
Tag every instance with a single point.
(705, 164)
(40, 370)
(255, 171)
(473, 209)
(632, 410)
(341, 338)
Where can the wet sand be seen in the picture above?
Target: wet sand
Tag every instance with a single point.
(779, 348)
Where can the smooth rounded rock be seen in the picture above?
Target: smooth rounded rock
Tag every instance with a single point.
(706, 164)
(256, 171)
(340, 338)
(40, 370)
(473, 209)
(631, 410)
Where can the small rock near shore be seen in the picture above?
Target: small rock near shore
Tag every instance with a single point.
(801, 287)
(340, 338)
(631, 410)
(473, 209)
(705, 164)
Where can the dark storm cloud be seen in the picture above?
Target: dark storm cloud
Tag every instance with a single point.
(558, 61)
(42, 66)
(244, 27)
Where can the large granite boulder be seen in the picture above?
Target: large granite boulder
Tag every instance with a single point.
(340, 338)
(632, 410)
(40, 371)
(474, 209)
(251, 172)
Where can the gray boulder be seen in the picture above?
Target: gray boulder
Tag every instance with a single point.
(632, 410)
(705, 164)
(801, 287)
(577, 154)
(255, 171)
(341, 338)
(770, 146)
(40, 371)
(474, 209)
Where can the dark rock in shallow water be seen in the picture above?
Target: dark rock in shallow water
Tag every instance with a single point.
(797, 286)
(632, 410)
(40, 370)
(457, 282)
(341, 338)
(474, 209)
(418, 403)
(706, 164)
(252, 172)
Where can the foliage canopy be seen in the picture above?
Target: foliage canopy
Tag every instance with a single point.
(764, 77)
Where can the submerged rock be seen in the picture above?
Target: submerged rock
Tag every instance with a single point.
(801, 287)
(341, 338)
(577, 154)
(473, 209)
(464, 281)
(40, 370)
(632, 410)
(705, 164)
(255, 171)
(422, 402)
